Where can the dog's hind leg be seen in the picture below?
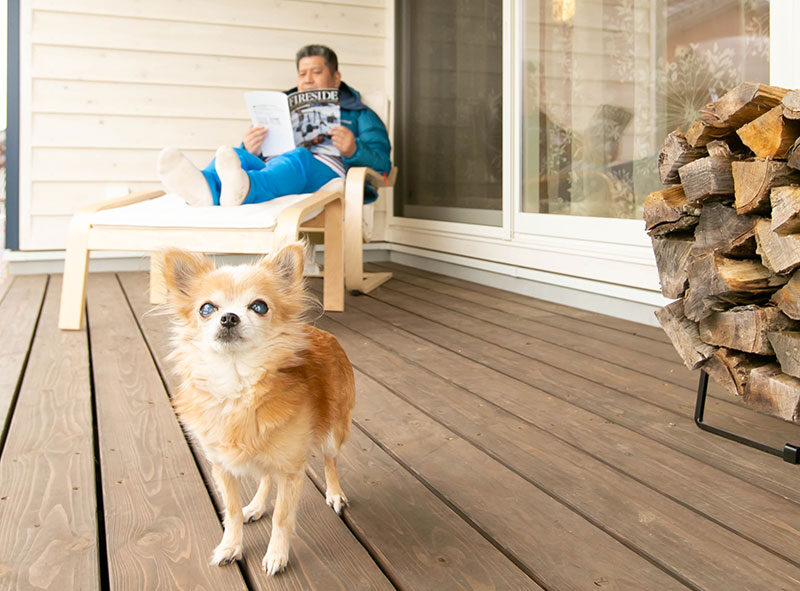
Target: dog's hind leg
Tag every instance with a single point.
(230, 548)
(258, 505)
(283, 521)
(333, 493)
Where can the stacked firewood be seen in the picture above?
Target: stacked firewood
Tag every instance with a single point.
(726, 237)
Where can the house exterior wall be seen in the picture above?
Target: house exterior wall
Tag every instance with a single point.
(106, 85)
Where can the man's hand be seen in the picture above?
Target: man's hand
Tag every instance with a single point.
(344, 140)
(253, 138)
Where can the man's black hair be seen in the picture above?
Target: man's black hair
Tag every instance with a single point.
(319, 50)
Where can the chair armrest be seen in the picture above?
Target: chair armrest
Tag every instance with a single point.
(373, 177)
(289, 220)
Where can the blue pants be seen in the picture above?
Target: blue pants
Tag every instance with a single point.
(287, 174)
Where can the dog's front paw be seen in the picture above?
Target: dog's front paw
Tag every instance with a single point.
(274, 562)
(251, 513)
(336, 501)
(225, 554)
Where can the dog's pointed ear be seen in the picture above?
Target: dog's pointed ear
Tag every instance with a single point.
(180, 267)
(288, 262)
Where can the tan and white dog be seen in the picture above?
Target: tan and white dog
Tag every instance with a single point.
(259, 388)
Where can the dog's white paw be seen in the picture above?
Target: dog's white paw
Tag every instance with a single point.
(253, 513)
(338, 502)
(274, 562)
(225, 554)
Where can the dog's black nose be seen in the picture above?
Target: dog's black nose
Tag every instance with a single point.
(229, 319)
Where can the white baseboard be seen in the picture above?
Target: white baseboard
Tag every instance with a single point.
(543, 287)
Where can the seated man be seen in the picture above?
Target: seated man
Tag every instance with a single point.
(239, 175)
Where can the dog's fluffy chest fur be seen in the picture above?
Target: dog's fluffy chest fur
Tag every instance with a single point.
(241, 422)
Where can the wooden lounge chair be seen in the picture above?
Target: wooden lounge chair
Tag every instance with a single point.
(150, 221)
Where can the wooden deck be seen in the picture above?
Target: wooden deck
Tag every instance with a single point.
(500, 442)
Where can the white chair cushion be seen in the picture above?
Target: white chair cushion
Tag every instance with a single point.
(170, 211)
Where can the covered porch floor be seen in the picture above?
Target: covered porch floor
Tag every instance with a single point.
(499, 442)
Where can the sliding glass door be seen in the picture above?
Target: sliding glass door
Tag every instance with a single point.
(603, 81)
(449, 88)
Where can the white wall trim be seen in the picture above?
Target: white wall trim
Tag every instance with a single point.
(784, 43)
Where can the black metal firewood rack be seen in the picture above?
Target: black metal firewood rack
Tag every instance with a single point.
(790, 453)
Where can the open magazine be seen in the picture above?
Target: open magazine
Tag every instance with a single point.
(298, 119)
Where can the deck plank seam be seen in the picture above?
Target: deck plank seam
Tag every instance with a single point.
(12, 405)
(5, 287)
(670, 447)
(102, 548)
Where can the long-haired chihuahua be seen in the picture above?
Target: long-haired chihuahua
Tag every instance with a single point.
(259, 387)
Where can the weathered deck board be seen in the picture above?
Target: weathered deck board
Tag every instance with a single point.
(550, 545)
(633, 328)
(420, 541)
(324, 554)
(48, 529)
(656, 422)
(561, 320)
(19, 312)
(615, 502)
(736, 504)
(158, 516)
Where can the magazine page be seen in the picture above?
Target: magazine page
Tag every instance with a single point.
(271, 109)
(314, 113)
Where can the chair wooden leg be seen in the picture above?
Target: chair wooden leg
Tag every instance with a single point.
(76, 266)
(333, 278)
(158, 286)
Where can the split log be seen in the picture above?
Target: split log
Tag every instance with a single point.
(731, 369)
(672, 255)
(787, 349)
(675, 153)
(723, 231)
(735, 108)
(787, 298)
(717, 283)
(785, 209)
(794, 154)
(684, 335)
(752, 180)
(791, 105)
(780, 254)
(770, 136)
(667, 211)
(774, 392)
(706, 178)
(745, 328)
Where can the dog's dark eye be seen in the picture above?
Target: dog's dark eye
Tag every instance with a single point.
(259, 307)
(207, 309)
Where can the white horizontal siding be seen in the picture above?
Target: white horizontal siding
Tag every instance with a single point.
(109, 84)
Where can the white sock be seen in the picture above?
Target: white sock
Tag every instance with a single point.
(235, 182)
(182, 177)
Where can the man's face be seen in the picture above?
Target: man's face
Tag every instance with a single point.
(312, 74)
